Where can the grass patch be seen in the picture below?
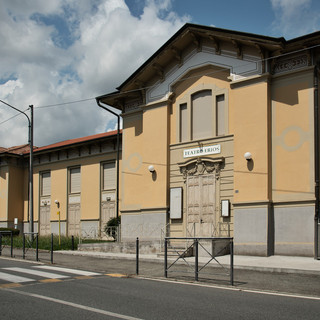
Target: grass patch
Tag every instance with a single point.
(44, 242)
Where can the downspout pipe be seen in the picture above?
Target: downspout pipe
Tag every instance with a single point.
(316, 160)
(118, 152)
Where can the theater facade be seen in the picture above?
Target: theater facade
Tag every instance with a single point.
(220, 138)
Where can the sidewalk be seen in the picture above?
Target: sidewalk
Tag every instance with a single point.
(286, 264)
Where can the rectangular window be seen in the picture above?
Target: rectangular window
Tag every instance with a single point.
(75, 180)
(220, 116)
(184, 122)
(46, 184)
(202, 117)
(109, 176)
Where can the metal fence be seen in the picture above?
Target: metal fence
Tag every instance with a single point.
(210, 248)
(6, 240)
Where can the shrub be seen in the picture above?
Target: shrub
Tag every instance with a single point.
(113, 222)
(14, 231)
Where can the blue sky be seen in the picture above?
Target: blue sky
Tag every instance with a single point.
(59, 51)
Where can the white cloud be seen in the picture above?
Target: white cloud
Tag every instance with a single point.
(106, 44)
(295, 17)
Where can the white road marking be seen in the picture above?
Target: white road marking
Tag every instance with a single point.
(280, 294)
(68, 270)
(74, 305)
(12, 278)
(37, 273)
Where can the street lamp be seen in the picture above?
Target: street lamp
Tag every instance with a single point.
(30, 141)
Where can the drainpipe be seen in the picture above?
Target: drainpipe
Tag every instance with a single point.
(118, 152)
(316, 160)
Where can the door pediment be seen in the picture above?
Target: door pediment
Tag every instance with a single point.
(201, 165)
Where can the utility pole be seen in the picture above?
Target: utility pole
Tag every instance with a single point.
(30, 141)
(31, 227)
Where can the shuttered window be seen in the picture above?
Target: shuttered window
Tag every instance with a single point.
(75, 180)
(220, 118)
(46, 184)
(184, 122)
(202, 115)
(109, 176)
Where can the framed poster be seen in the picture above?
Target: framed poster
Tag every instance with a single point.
(225, 208)
(176, 203)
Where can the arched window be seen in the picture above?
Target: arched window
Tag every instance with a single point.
(202, 115)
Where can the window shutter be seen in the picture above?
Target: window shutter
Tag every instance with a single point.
(184, 123)
(202, 116)
(75, 180)
(109, 176)
(46, 184)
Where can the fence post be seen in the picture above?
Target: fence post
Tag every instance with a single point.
(51, 248)
(11, 244)
(231, 262)
(166, 257)
(137, 256)
(37, 247)
(196, 265)
(24, 247)
(0, 244)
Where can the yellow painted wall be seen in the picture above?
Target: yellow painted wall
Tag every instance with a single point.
(293, 156)
(90, 186)
(144, 144)
(90, 191)
(250, 120)
(15, 193)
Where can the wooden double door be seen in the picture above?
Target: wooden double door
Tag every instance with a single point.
(201, 204)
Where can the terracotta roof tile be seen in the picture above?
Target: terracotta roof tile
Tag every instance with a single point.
(16, 149)
(76, 140)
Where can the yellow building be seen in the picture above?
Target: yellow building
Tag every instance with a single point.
(76, 178)
(219, 139)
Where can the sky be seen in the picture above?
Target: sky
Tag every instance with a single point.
(59, 55)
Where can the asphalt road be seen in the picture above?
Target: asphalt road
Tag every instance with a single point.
(104, 296)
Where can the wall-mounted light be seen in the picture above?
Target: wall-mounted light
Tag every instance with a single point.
(248, 156)
(57, 203)
(151, 168)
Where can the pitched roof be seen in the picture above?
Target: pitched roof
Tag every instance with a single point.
(16, 149)
(24, 149)
(69, 142)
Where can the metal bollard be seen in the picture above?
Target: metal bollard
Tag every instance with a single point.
(231, 262)
(37, 247)
(24, 247)
(166, 258)
(51, 248)
(0, 244)
(11, 244)
(137, 256)
(72, 243)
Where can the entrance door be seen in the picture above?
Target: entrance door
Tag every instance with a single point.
(45, 228)
(107, 212)
(201, 205)
(74, 220)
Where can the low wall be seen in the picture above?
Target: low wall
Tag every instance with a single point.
(145, 247)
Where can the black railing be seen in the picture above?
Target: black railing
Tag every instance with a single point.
(219, 247)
